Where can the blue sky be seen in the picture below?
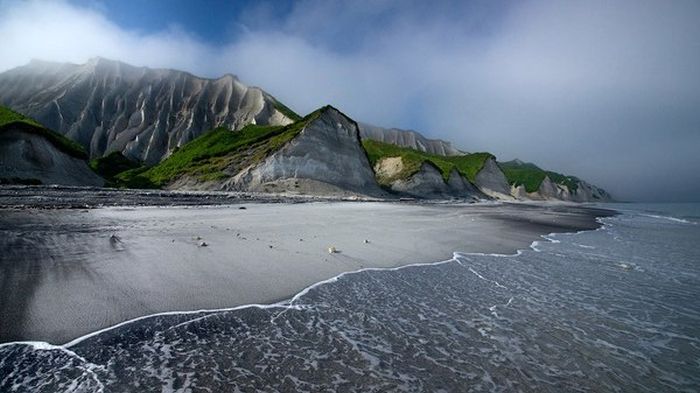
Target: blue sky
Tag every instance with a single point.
(605, 90)
(214, 21)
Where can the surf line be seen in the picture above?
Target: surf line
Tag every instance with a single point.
(284, 305)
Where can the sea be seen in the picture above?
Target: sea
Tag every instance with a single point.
(610, 310)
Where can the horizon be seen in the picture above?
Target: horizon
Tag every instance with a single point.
(604, 92)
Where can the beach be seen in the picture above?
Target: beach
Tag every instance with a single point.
(69, 272)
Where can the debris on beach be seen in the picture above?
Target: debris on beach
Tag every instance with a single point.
(203, 244)
(242, 208)
(270, 246)
(332, 250)
(116, 242)
(366, 241)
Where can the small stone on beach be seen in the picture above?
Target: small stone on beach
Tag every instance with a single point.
(203, 244)
(332, 250)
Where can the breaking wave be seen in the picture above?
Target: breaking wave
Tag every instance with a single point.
(591, 311)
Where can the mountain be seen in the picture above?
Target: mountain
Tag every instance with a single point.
(32, 154)
(144, 113)
(528, 181)
(319, 154)
(420, 174)
(408, 138)
(157, 128)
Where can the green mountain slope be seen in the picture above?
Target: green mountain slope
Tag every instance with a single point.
(531, 176)
(467, 165)
(215, 155)
(10, 119)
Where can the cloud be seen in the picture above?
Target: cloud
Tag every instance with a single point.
(608, 91)
(61, 32)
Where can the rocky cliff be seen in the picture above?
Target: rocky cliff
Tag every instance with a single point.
(408, 138)
(144, 113)
(28, 157)
(491, 180)
(325, 157)
(529, 182)
(551, 191)
(427, 182)
(196, 133)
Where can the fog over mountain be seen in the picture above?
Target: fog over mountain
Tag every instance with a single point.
(605, 91)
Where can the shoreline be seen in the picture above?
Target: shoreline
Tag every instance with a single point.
(284, 304)
(517, 225)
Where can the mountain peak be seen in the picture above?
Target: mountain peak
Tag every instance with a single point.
(138, 98)
(408, 138)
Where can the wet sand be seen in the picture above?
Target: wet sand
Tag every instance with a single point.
(63, 274)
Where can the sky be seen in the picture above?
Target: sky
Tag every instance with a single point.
(605, 90)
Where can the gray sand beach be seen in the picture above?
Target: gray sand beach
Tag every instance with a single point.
(67, 272)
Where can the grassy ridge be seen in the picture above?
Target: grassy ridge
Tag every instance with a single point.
(531, 176)
(467, 165)
(10, 119)
(215, 155)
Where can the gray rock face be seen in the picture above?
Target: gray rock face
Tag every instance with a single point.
(492, 182)
(326, 156)
(587, 192)
(408, 138)
(552, 191)
(428, 183)
(549, 190)
(29, 156)
(144, 113)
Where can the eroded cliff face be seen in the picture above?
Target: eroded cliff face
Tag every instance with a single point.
(492, 182)
(551, 191)
(326, 157)
(144, 113)
(408, 138)
(426, 183)
(28, 156)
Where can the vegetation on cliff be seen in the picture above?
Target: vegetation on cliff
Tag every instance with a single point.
(10, 119)
(216, 155)
(531, 176)
(467, 165)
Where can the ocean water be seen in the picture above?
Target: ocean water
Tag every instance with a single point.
(616, 309)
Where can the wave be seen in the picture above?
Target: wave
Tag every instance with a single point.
(670, 218)
(297, 304)
(290, 303)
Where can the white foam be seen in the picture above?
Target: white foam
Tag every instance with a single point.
(289, 304)
(669, 218)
